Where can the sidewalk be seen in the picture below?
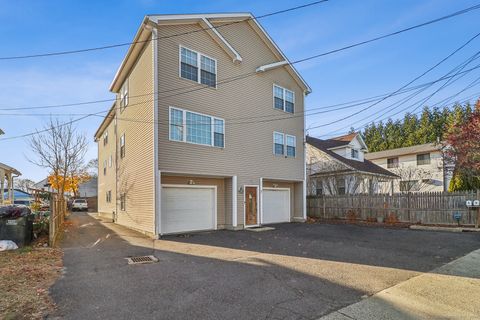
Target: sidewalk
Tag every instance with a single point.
(449, 292)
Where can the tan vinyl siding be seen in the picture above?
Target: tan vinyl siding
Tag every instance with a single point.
(220, 183)
(136, 169)
(248, 151)
(106, 182)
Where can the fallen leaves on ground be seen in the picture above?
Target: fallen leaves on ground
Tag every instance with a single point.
(25, 277)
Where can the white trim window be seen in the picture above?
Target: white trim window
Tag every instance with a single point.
(198, 67)
(105, 138)
(283, 99)
(124, 96)
(196, 128)
(278, 144)
(122, 146)
(123, 201)
(284, 145)
(354, 154)
(291, 146)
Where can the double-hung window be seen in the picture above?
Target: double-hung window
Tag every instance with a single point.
(423, 159)
(104, 167)
(122, 146)
(124, 96)
(108, 196)
(198, 67)
(105, 138)
(283, 99)
(123, 200)
(392, 162)
(291, 145)
(192, 127)
(278, 144)
(354, 153)
(284, 145)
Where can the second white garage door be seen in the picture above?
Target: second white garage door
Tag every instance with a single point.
(188, 208)
(276, 205)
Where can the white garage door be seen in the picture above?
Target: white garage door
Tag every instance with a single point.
(276, 205)
(187, 208)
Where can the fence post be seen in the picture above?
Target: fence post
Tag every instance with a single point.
(478, 210)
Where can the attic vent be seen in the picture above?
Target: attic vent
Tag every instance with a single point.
(142, 260)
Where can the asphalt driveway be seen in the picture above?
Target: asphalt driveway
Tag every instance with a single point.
(298, 271)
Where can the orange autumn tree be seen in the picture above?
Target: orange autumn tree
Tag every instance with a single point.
(58, 181)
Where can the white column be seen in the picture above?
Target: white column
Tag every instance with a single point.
(234, 201)
(260, 200)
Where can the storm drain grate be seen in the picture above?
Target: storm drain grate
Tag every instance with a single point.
(142, 260)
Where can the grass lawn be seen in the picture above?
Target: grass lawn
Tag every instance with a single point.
(25, 276)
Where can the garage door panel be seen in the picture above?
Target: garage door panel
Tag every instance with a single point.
(276, 206)
(187, 209)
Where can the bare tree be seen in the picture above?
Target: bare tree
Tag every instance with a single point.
(59, 148)
(23, 184)
(412, 178)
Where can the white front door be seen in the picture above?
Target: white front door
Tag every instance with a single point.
(188, 208)
(276, 205)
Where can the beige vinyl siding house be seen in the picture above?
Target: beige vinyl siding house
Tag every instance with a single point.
(202, 140)
(420, 168)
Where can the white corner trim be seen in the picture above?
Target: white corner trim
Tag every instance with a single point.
(157, 174)
(271, 66)
(236, 56)
(234, 202)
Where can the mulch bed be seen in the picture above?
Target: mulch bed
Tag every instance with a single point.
(396, 225)
(26, 274)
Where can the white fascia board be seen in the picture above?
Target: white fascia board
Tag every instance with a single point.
(271, 66)
(223, 42)
(129, 52)
(169, 17)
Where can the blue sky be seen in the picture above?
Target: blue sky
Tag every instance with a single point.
(42, 26)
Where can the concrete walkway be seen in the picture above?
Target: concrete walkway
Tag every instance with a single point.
(449, 292)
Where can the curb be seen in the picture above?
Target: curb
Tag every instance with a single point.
(445, 229)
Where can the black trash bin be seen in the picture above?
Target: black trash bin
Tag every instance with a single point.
(17, 229)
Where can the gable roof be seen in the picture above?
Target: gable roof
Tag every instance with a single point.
(341, 141)
(144, 34)
(421, 148)
(362, 166)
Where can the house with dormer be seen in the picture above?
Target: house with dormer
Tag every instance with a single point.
(337, 166)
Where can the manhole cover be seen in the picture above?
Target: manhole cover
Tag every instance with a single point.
(142, 260)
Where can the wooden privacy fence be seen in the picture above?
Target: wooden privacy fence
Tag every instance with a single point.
(58, 210)
(424, 207)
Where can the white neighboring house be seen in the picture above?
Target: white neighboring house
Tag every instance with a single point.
(338, 166)
(421, 168)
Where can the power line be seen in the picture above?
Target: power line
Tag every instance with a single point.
(59, 53)
(476, 7)
(458, 71)
(402, 87)
(316, 56)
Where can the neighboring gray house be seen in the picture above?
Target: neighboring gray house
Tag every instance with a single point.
(420, 168)
(338, 166)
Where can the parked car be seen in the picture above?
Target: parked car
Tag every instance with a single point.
(79, 205)
(24, 202)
